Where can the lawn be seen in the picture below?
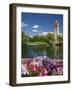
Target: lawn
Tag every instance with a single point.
(35, 43)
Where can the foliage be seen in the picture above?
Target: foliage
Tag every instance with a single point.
(24, 38)
(60, 39)
(48, 39)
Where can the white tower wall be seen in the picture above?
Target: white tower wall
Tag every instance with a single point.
(56, 29)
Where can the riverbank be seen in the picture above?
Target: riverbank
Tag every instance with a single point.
(43, 43)
(36, 43)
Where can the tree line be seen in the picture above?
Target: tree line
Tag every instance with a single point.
(49, 38)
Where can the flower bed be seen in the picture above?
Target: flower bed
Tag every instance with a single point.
(41, 66)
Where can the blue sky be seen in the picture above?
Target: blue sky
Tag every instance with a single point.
(35, 23)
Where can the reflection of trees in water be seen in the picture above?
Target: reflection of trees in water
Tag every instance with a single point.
(58, 52)
(50, 51)
(24, 51)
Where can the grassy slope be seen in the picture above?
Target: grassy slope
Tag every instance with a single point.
(36, 43)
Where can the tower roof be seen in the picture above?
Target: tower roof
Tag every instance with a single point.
(56, 22)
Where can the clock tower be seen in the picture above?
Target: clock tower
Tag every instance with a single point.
(56, 29)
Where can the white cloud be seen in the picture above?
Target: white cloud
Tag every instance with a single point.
(44, 33)
(24, 24)
(36, 26)
(51, 32)
(30, 36)
(35, 30)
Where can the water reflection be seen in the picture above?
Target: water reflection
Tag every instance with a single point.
(50, 51)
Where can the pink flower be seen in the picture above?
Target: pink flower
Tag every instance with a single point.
(45, 72)
(40, 74)
(34, 68)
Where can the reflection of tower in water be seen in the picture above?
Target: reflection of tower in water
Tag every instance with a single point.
(56, 48)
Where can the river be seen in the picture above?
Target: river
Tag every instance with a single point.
(31, 51)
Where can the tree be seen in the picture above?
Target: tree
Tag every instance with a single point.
(25, 38)
(60, 39)
(50, 38)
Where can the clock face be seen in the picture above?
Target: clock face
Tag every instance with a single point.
(56, 24)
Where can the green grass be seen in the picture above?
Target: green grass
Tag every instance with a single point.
(36, 42)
